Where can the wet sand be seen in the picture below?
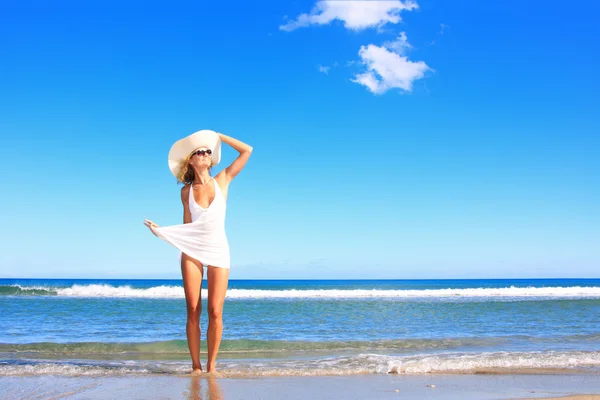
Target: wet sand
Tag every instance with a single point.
(455, 387)
(577, 397)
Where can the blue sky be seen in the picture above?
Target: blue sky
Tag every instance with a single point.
(401, 140)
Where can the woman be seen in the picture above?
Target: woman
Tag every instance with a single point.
(202, 238)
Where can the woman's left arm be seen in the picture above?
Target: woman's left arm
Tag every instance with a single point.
(238, 164)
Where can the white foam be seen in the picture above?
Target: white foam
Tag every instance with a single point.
(121, 291)
(65, 369)
(466, 363)
(508, 362)
(415, 365)
(177, 292)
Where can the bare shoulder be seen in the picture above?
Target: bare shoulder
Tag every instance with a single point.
(185, 192)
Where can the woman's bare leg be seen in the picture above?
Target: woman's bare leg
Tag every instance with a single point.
(191, 271)
(218, 278)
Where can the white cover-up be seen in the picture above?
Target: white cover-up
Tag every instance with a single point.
(204, 238)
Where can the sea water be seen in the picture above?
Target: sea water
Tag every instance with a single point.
(302, 327)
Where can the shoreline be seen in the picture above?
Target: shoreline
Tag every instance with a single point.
(448, 387)
(28, 364)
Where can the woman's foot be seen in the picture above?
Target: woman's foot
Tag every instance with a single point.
(211, 368)
(197, 369)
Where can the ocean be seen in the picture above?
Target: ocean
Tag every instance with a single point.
(97, 327)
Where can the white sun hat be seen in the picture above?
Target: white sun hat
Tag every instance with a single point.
(182, 148)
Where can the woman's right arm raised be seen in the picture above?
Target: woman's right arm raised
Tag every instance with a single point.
(185, 196)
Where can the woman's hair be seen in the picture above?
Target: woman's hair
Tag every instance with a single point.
(186, 172)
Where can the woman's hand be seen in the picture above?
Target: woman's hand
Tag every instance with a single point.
(151, 225)
(236, 144)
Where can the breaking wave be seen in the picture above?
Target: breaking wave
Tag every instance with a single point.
(163, 291)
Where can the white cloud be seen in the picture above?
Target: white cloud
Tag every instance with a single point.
(324, 69)
(356, 14)
(399, 45)
(388, 67)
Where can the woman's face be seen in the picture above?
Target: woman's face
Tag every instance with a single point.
(201, 157)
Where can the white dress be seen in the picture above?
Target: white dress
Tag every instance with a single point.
(204, 238)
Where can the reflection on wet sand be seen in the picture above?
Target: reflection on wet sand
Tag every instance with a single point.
(213, 390)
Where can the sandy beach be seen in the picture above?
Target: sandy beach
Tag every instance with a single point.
(464, 387)
(578, 397)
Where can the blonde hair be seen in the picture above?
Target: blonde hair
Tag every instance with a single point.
(186, 173)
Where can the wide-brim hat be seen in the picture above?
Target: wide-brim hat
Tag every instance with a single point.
(182, 148)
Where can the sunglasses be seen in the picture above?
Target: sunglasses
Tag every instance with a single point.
(202, 152)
